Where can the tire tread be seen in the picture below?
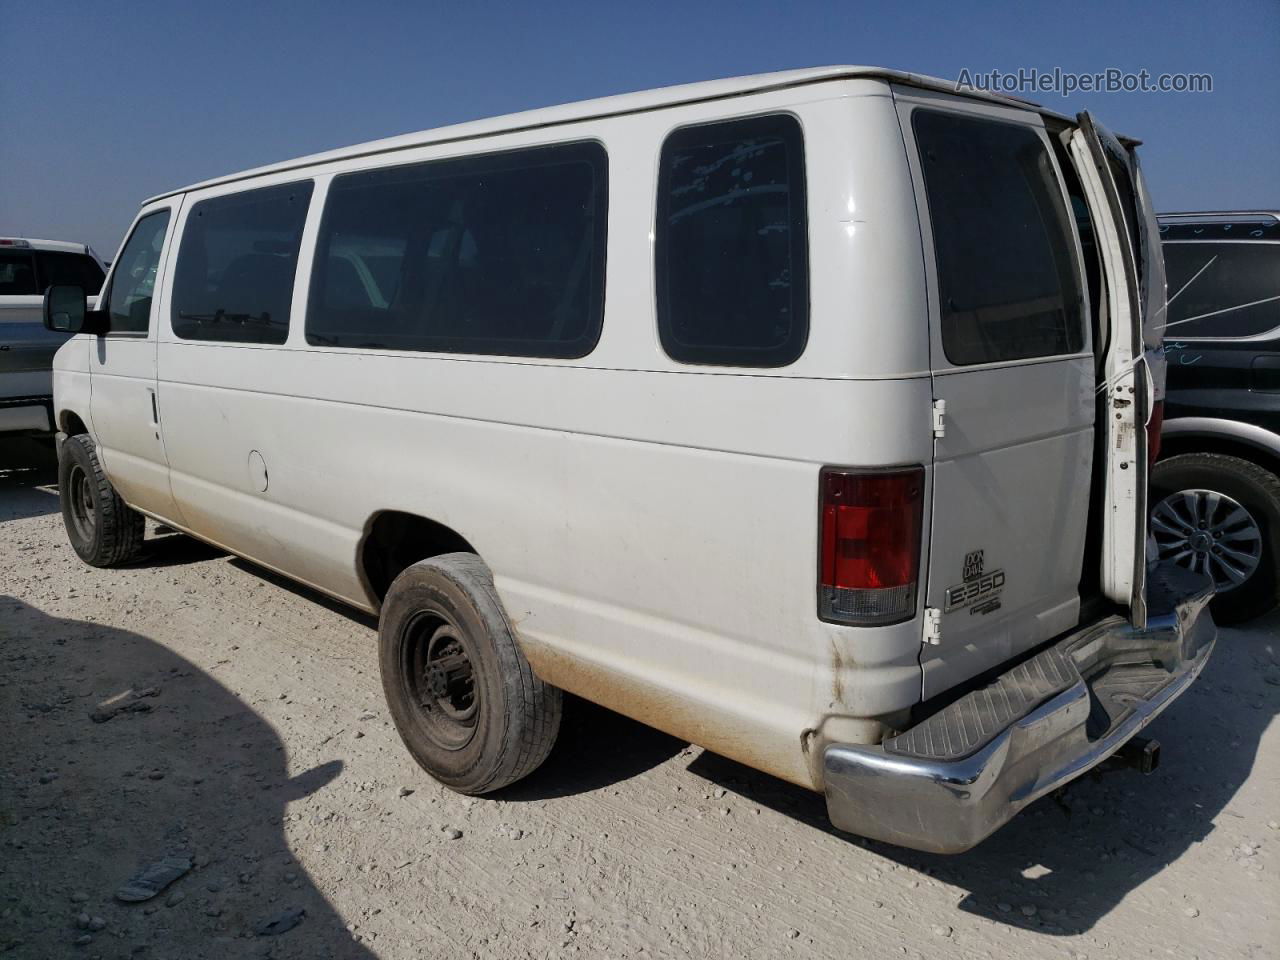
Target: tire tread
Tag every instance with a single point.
(120, 528)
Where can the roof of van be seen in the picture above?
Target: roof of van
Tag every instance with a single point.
(615, 106)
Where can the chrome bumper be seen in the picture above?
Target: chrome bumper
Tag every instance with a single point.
(950, 781)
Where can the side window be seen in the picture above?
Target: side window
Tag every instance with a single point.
(17, 276)
(731, 245)
(134, 278)
(78, 269)
(234, 277)
(500, 254)
(1222, 289)
(1009, 286)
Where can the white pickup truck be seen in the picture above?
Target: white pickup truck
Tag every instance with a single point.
(27, 269)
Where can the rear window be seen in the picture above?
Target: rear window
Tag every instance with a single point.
(17, 275)
(239, 254)
(500, 254)
(1220, 289)
(731, 247)
(1008, 280)
(76, 269)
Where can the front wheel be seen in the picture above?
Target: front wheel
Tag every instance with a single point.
(104, 531)
(463, 697)
(1220, 515)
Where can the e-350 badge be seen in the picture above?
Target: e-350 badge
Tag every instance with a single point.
(979, 587)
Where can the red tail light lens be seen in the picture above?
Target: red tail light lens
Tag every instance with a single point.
(1154, 425)
(869, 549)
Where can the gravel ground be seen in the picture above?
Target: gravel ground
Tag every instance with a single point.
(240, 724)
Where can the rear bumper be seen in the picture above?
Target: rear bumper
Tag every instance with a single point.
(31, 415)
(953, 779)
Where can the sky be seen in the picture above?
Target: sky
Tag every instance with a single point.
(105, 104)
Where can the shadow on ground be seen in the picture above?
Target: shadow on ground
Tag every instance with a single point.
(172, 549)
(596, 749)
(1106, 834)
(84, 804)
(29, 468)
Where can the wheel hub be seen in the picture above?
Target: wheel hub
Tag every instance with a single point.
(84, 514)
(448, 676)
(440, 679)
(1201, 542)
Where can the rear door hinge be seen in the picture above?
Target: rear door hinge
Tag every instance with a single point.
(932, 626)
(939, 418)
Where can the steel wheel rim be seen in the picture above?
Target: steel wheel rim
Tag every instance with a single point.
(1208, 532)
(439, 678)
(84, 509)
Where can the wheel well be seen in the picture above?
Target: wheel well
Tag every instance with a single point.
(1172, 446)
(72, 425)
(394, 540)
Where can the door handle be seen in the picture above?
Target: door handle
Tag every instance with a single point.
(155, 408)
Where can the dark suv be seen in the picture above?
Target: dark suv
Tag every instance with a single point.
(1215, 493)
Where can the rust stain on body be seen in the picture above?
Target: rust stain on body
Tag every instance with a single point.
(837, 674)
(663, 710)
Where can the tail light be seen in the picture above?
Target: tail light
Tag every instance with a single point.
(1155, 423)
(869, 550)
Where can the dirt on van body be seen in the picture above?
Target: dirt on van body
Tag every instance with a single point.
(193, 706)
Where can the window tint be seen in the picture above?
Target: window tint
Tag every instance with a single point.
(1007, 273)
(239, 254)
(17, 276)
(1239, 283)
(500, 254)
(731, 245)
(133, 279)
(77, 269)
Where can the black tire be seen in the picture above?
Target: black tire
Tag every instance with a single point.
(1255, 489)
(463, 697)
(104, 531)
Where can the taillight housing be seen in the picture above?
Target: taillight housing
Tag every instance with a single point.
(1155, 423)
(869, 544)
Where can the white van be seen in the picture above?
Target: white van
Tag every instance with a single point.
(801, 416)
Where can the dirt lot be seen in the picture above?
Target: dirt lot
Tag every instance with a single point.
(258, 745)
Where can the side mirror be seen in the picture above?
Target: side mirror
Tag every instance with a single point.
(66, 311)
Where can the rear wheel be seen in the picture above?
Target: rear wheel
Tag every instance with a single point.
(104, 531)
(1220, 515)
(462, 696)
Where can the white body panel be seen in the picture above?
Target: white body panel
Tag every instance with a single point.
(651, 525)
(123, 404)
(15, 310)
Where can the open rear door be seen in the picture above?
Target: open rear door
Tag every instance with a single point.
(1128, 375)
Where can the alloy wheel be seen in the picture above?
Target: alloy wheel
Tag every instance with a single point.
(1208, 532)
